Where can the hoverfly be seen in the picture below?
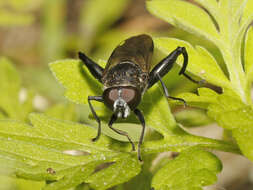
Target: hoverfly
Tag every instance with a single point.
(127, 76)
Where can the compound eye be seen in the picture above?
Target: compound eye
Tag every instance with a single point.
(113, 94)
(128, 94)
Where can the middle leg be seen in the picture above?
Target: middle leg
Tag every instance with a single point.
(142, 120)
(166, 92)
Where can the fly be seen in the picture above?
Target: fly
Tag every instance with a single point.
(127, 76)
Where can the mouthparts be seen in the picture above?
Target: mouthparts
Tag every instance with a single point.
(121, 108)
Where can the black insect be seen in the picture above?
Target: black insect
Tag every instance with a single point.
(127, 77)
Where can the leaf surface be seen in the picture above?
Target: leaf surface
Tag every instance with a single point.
(10, 88)
(115, 174)
(248, 55)
(188, 16)
(191, 170)
(234, 115)
(59, 150)
(77, 80)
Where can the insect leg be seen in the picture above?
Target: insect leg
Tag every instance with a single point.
(99, 99)
(113, 119)
(166, 64)
(182, 71)
(142, 120)
(93, 67)
(165, 90)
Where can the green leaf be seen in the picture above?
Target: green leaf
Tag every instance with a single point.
(63, 112)
(234, 115)
(11, 183)
(225, 104)
(242, 136)
(210, 5)
(157, 112)
(76, 176)
(191, 170)
(95, 19)
(158, 116)
(2, 116)
(188, 17)
(77, 80)
(115, 174)
(52, 32)
(203, 99)
(248, 55)
(58, 151)
(246, 12)
(224, 23)
(10, 86)
(192, 118)
(10, 80)
(201, 63)
(94, 22)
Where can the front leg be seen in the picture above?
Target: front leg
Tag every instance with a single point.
(120, 132)
(93, 67)
(99, 99)
(166, 64)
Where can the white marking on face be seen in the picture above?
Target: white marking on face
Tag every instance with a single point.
(120, 103)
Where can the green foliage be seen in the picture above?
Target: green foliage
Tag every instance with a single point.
(56, 150)
(191, 170)
(248, 56)
(70, 74)
(231, 113)
(17, 12)
(95, 19)
(10, 86)
(224, 29)
(10, 183)
(192, 118)
(63, 111)
(53, 35)
(225, 24)
(61, 152)
(79, 85)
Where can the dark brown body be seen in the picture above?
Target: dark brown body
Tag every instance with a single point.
(129, 64)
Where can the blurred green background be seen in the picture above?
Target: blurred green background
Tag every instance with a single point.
(34, 33)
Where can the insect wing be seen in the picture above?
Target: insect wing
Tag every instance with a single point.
(137, 50)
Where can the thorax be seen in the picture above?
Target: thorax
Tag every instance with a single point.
(125, 74)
